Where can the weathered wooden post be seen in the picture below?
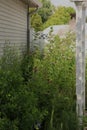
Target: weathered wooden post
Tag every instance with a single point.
(80, 57)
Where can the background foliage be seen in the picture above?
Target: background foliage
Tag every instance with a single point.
(46, 10)
(46, 17)
(62, 15)
(36, 22)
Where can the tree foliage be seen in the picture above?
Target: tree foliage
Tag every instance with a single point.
(48, 16)
(46, 10)
(42, 15)
(36, 22)
(62, 15)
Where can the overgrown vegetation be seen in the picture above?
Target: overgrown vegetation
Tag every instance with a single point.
(54, 81)
(18, 105)
(39, 90)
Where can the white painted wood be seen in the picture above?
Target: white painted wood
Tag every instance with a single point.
(80, 56)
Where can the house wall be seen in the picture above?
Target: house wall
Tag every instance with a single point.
(13, 24)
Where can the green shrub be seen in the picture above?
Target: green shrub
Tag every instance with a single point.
(62, 15)
(27, 67)
(53, 82)
(18, 105)
(39, 88)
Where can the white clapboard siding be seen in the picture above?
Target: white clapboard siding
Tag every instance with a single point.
(13, 24)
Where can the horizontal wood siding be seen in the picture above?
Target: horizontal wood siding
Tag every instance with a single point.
(13, 24)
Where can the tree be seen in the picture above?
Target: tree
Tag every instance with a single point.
(46, 10)
(36, 22)
(62, 15)
(42, 15)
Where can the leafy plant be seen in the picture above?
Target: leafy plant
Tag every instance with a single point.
(38, 91)
(18, 105)
(36, 22)
(54, 84)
